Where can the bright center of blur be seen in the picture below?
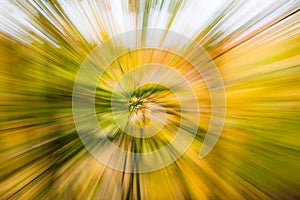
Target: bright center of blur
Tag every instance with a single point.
(139, 113)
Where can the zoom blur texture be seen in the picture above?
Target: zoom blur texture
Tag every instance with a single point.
(256, 47)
